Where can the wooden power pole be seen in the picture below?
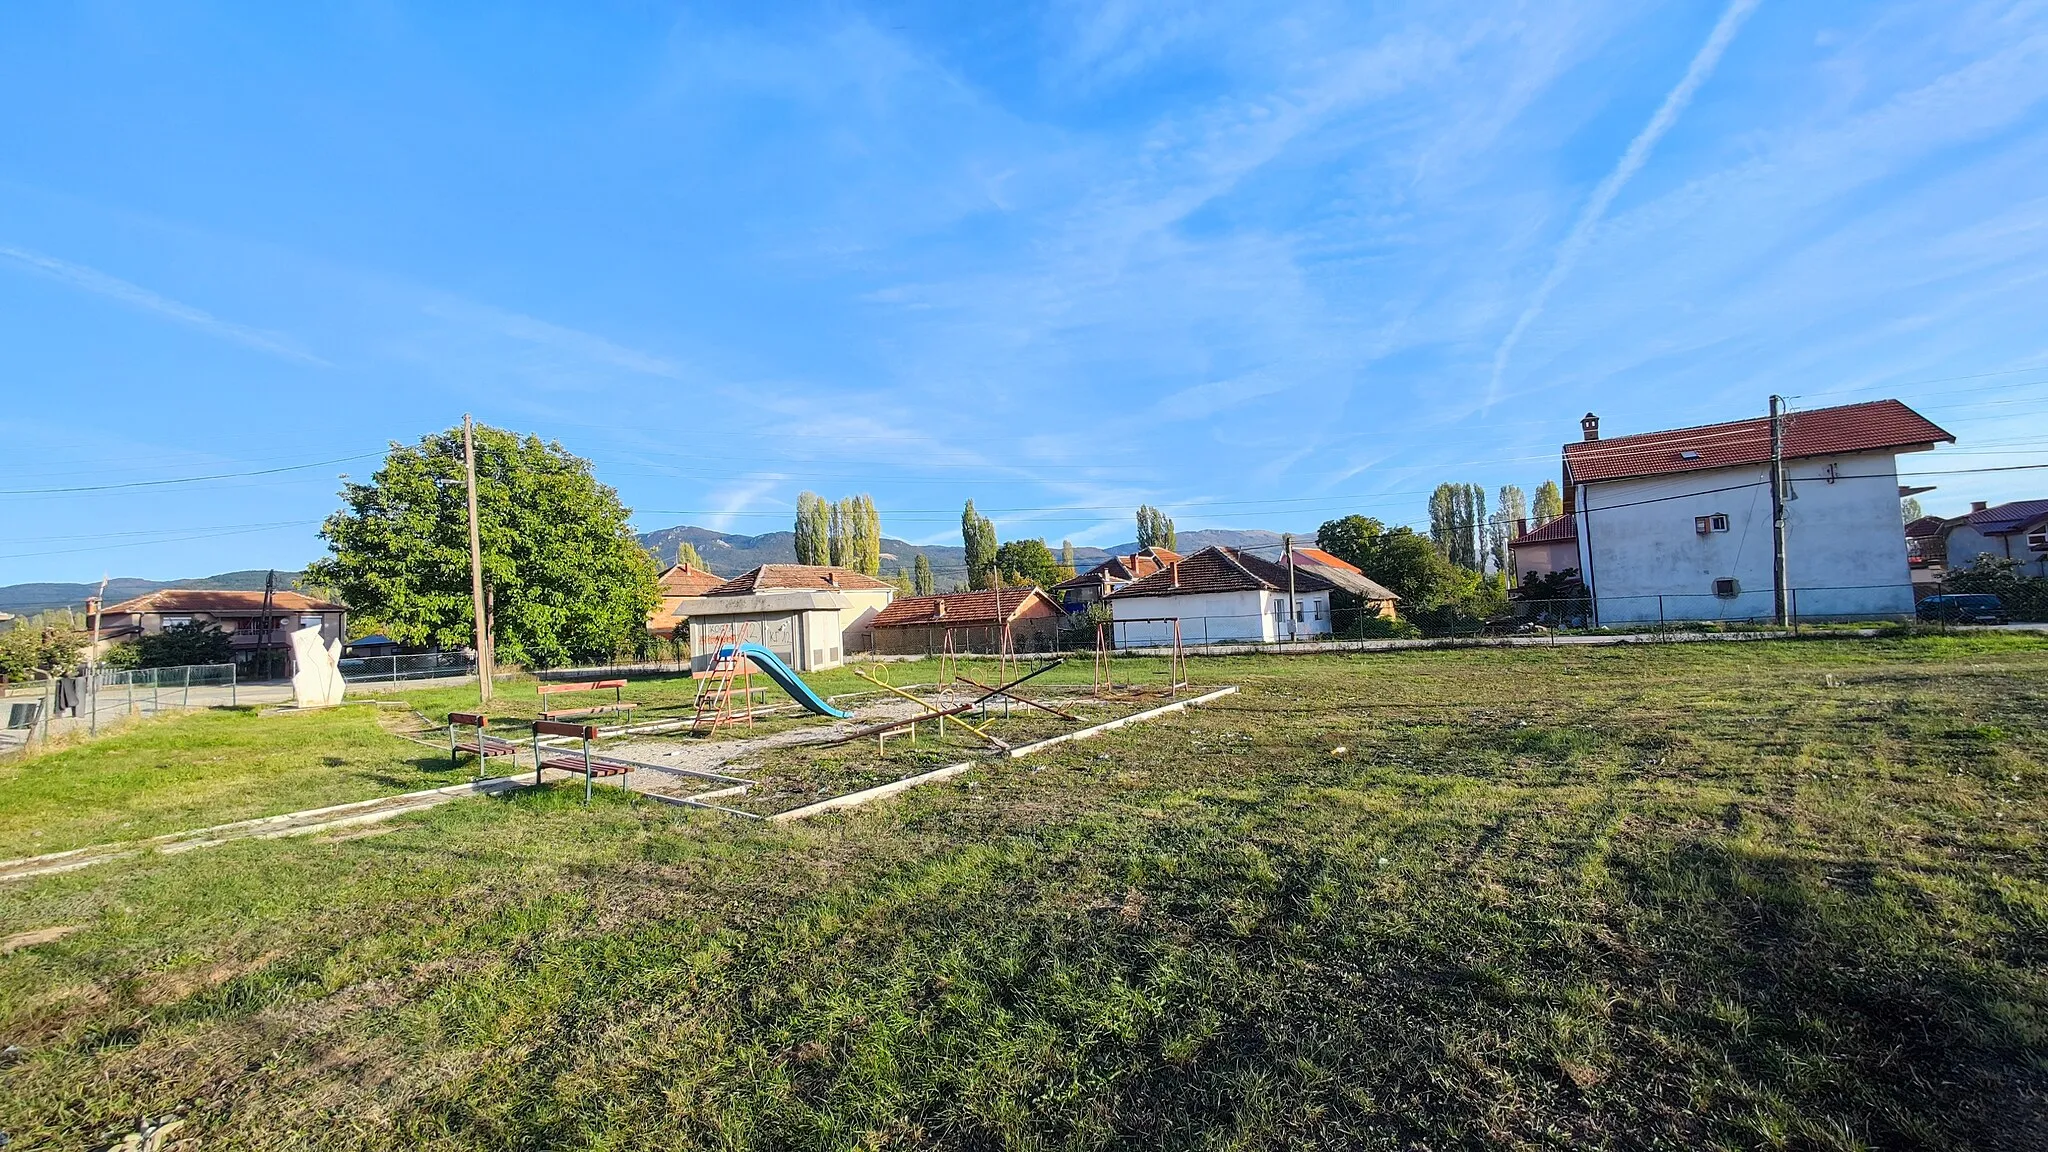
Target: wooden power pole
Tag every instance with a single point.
(476, 565)
(1287, 548)
(1781, 585)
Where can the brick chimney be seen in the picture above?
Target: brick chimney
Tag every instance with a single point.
(1174, 568)
(1978, 505)
(1590, 425)
(1521, 525)
(831, 577)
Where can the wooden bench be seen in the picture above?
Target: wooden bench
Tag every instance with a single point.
(619, 705)
(481, 742)
(592, 767)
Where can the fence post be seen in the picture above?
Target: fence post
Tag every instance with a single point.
(232, 671)
(394, 668)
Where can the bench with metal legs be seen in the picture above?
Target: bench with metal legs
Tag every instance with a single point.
(592, 767)
(480, 741)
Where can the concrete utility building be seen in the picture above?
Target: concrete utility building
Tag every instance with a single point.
(809, 615)
(1219, 595)
(1677, 525)
(974, 621)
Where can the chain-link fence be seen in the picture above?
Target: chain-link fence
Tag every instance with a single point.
(88, 703)
(369, 670)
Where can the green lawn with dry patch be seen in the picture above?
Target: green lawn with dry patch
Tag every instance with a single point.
(1785, 894)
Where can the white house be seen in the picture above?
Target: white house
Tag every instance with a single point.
(1220, 594)
(2017, 530)
(1677, 525)
(810, 615)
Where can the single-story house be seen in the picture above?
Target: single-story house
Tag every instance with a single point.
(1094, 585)
(2015, 530)
(809, 615)
(1676, 525)
(1544, 550)
(974, 621)
(239, 614)
(1221, 594)
(679, 583)
(375, 644)
(1371, 597)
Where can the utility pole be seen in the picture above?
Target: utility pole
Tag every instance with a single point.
(92, 660)
(476, 565)
(1287, 546)
(1781, 588)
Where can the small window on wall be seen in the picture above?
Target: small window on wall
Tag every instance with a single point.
(1319, 609)
(1279, 610)
(1300, 612)
(309, 621)
(1718, 522)
(2037, 541)
(176, 621)
(1726, 588)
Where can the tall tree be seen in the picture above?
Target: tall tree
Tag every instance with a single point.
(1409, 565)
(1909, 509)
(1025, 564)
(1457, 523)
(1549, 504)
(813, 529)
(1443, 519)
(686, 553)
(921, 576)
(1509, 509)
(978, 533)
(870, 536)
(838, 529)
(1155, 529)
(1066, 553)
(569, 580)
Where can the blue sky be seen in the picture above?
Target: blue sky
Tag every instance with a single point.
(1260, 265)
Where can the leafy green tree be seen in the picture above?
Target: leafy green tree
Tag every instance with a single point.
(26, 649)
(1549, 504)
(1909, 510)
(1027, 563)
(1155, 529)
(570, 581)
(1510, 508)
(813, 529)
(978, 533)
(686, 553)
(921, 576)
(184, 644)
(864, 549)
(1405, 563)
(839, 534)
(1457, 523)
(1067, 554)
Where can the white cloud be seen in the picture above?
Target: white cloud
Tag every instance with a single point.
(135, 296)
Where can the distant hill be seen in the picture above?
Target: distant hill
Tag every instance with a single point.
(22, 599)
(729, 554)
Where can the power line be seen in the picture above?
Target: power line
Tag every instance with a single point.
(185, 479)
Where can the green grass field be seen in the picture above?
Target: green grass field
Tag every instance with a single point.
(1785, 894)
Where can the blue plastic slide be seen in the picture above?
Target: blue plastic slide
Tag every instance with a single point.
(772, 667)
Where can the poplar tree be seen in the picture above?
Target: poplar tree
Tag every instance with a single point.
(921, 576)
(813, 529)
(978, 533)
(1549, 504)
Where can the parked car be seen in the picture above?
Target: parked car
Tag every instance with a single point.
(1964, 608)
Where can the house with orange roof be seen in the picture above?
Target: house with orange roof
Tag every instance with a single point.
(679, 583)
(1221, 595)
(250, 626)
(969, 622)
(1677, 525)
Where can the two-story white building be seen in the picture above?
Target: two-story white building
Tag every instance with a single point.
(1677, 525)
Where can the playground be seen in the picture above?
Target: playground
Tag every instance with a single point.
(755, 739)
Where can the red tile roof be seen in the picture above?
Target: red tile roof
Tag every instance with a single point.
(1343, 574)
(1871, 427)
(1220, 569)
(1319, 557)
(1924, 527)
(963, 608)
(1561, 529)
(686, 580)
(2003, 519)
(213, 600)
(1122, 568)
(803, 577)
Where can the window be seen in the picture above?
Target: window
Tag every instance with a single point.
(1279, 609)
(1726, 588)
(1300, 612)
(2037, 541)
(176, 621)
(309, 621)
(1718, 522)
(1319, 609)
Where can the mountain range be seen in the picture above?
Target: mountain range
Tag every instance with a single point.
(726, 553)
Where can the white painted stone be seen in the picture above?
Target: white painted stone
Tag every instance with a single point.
(316, 669)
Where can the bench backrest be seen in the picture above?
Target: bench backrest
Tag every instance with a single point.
(473, 719)
(558, 728)
(580, 686)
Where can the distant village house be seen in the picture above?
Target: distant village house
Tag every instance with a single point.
(969, 622)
